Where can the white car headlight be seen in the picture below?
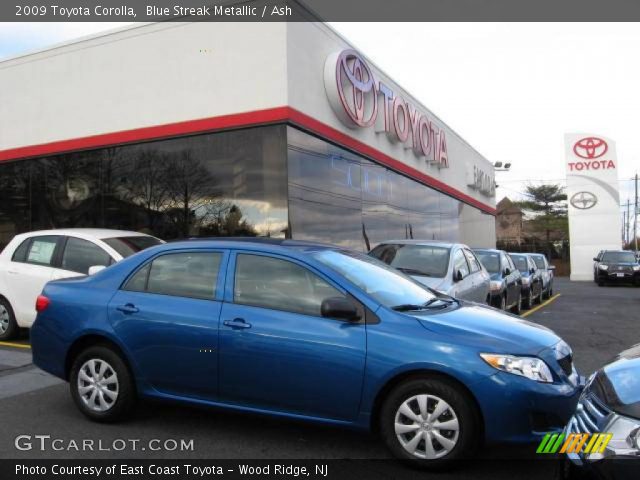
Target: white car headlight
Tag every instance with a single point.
(636, 268)
(495, 286)
(604, 267)
(530, 367)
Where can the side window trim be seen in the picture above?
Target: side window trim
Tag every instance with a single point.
(219, 293)
(464, 257)
(26, 241)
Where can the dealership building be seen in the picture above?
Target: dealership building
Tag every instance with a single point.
(227, 129)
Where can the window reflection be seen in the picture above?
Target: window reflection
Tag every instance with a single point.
(338, 197)
(223, 184)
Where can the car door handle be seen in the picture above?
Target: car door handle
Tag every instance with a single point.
(237, 323)
(12, 272)
(129, 308)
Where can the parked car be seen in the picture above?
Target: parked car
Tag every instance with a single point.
(610, 403)
(506, 281)
(547, 271)
(450, 268)
(596, 261)
(32, 259)
(614, 266)
(305, 331)
(531, 278)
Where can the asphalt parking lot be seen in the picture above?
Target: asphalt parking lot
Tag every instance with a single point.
(597, 322)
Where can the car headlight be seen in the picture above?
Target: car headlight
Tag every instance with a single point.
(495, 286)
(636, 268)
(604, 267)
(525, 280)
(529, 367)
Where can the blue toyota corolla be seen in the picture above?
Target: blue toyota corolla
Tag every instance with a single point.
(307, 331)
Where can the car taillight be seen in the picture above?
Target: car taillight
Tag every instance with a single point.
(42, 303)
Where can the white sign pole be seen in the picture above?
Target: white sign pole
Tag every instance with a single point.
(594, 200)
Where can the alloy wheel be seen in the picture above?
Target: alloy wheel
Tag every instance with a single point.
(98, 385)
(503, 303)
(427, 427)
(4, 319)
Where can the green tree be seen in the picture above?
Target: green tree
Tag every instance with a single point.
(550, 203)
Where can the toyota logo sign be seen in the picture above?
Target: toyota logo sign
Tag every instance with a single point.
(583, 200)
(362, 101)
(590, 147)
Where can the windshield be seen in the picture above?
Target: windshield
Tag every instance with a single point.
(619, 257)
(521, 263)
(427, 260)
(539, 261)
(384, 284)
(127, 246)
(490, 260)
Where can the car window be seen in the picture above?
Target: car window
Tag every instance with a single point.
(80, 254)
(490, 260)
(521, 263)
(504, 261)
(512, 265)
(189, 274)
(427, 260)
(127, 246)
(383, 283)
(460, 263)
(473, 261)
(618, 257)
(41, 250)
(539, 262)
(279, 285)
(20, 253)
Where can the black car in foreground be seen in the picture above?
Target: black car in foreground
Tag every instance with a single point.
(619, 266)
(610, 403)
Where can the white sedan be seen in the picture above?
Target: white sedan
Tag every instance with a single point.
(31, 259)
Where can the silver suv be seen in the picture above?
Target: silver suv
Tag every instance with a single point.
(450, 268)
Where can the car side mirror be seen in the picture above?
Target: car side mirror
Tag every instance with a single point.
(95, 269)
(457, 276)
(340, 308)
(595, 259)
(507, 271)
(532, 271)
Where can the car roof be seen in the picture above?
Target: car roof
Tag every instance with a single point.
(258, 243)
(99, 233)
(494, 250)
(438, 243)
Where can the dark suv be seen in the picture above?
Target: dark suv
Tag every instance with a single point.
(616, 266)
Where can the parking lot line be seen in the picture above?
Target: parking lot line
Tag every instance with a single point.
(15, 345)
(544, 304)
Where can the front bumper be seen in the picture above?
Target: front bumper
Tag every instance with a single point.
(516, 409)
(613, 276)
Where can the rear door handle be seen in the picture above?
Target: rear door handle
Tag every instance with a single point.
(12, 272)
(237, 323)
(129, 308)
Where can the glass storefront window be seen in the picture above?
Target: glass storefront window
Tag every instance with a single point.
(221, 184)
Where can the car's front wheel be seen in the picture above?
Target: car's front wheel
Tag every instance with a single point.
(517, 308)
(8, 327)
(527, 302)
(503, 302)
(430, 422)
(101, 385)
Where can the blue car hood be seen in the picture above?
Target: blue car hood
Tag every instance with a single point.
(489, 329)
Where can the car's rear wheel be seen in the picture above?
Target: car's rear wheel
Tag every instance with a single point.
(517, 308)
(8, 326)
(429, 422)
(528, 299)
(101, 385)
(503, 302)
